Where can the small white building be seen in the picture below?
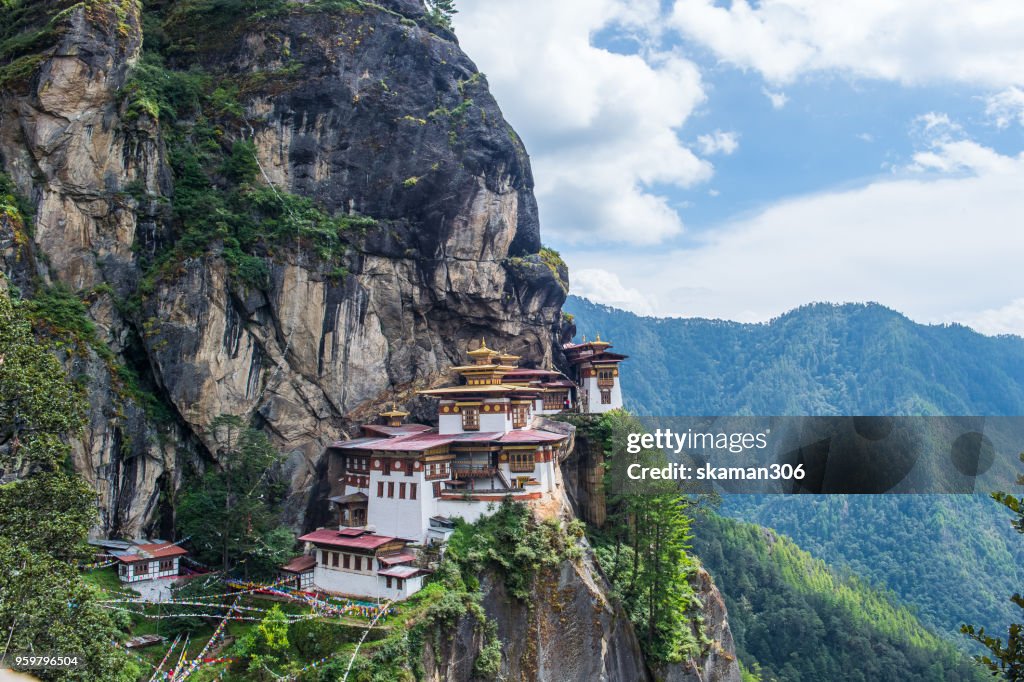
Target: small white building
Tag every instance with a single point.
(140, 562)
(299, 572)
(357, 562)
(596, 372)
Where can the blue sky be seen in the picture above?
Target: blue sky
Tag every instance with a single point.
(732, 160)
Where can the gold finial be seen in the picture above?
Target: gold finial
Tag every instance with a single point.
(584, 338)
(599, 337)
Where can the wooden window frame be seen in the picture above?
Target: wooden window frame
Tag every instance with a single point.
(522, 462)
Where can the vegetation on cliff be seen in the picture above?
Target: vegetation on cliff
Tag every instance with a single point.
(642, 550)
(47, 512)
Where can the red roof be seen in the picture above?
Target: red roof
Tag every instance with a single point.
(531, 436)
(402, 430)
(402, 558)
(418, 442)
(300, 564)
(148, 552)
(530, 373)
(400, 571)
(333, 538)
(424, 441)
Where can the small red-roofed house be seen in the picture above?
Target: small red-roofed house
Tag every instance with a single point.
(299, 572)
(357, 562)
(148, 560)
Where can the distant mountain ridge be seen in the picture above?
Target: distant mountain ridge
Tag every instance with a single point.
(819, 359)
(955, 558)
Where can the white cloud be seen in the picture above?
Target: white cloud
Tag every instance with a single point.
(718, 142)
(1005, 107)
(912, 41)
(948, 150)
(1007, 319)
(937, 124)
(602, 127)
(605, 287)
(938, 248)
(778, 99)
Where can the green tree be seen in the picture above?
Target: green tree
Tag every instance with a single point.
(441, 12)
(37, 402)
(231, 514)
(45, 515)
(1006, 660)
(643, 548)
(267, 644)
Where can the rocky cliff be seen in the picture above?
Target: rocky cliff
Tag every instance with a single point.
(372, 111)
(288, 211)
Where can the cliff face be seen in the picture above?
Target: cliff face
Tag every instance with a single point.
(369, 110)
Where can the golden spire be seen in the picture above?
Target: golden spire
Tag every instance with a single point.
(394, 416)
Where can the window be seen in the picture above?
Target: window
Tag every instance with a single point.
(346, 561)
(437, 490)
(391, 488)
(359, 562)
(408, 468)
(387, 580)
(380, 488)
(606, 396)
(334, 559)
(555, 400)
(387, 467)
(141, 569)
(323, 557)
(518, 416)
(412, 491)
(398, 583)
(401, 491)
(471, 419)
(521, 462)
(166, 565)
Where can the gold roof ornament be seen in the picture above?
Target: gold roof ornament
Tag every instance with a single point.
(599, 342)
(506, 358)
(394, 415)
(482, 350)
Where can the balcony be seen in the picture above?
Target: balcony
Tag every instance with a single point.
(473, 471)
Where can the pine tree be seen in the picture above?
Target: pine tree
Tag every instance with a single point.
(231, 514)
(1006, 660)
(441, 12)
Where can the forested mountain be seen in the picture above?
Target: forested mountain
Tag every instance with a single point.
(801, 621)
(820, 359)
(954, 559)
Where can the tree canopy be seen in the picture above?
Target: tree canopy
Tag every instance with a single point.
(45, 515)
(231, 513)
